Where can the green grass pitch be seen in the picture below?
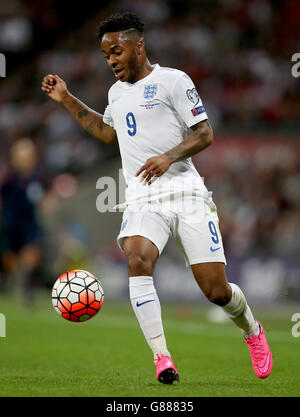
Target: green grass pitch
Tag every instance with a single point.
(107, 356)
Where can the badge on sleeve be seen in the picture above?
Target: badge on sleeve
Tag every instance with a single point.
(198, 110)
(193, 96)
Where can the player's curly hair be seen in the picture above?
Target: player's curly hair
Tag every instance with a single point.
(119, 22)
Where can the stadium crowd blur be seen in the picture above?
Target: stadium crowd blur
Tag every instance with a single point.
(238, 53)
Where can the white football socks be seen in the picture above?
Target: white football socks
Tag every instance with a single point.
(239, 312)
(146, 306)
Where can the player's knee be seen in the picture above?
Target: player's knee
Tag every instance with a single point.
(139, 265)
(218, 295)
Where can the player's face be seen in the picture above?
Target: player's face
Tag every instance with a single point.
(121, 54)
(23, 156)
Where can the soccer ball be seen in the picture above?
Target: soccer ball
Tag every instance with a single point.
(77, 295)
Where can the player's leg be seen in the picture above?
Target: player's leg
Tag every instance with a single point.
(10, 261)
(30, 258)
(211, 278)
(144, 234)
(10, 270)
(141, 255)
(201, 242)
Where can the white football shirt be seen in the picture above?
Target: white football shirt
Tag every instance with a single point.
(150, 117)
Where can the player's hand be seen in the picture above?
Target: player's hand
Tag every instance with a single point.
(153, 168)
(55, 87)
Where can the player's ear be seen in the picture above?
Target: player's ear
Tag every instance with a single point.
(139, 46)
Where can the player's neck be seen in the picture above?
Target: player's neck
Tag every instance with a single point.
(144, 71)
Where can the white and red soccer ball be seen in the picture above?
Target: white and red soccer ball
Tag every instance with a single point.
(77, 295)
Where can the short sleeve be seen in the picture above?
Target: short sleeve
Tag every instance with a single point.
(187, 102)
(107, 117)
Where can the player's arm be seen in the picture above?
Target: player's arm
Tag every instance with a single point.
(197, 141)
(200, 138)
(90, 120)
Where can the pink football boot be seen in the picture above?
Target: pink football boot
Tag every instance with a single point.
(261, 355)
(166, 372)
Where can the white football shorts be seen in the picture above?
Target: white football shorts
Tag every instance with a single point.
(192, 221)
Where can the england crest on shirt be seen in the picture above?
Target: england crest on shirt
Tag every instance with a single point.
(150, 91)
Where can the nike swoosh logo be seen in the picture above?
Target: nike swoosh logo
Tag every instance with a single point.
(140, 304)
(265, 368)
(214, 249)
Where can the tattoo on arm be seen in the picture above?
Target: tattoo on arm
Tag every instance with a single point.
(82, 113)
(197, 141)
(174, 155)
(90, 120)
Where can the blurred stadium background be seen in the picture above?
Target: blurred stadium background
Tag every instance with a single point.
(238, 53)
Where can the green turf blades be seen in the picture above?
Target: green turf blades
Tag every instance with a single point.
(108, 356)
